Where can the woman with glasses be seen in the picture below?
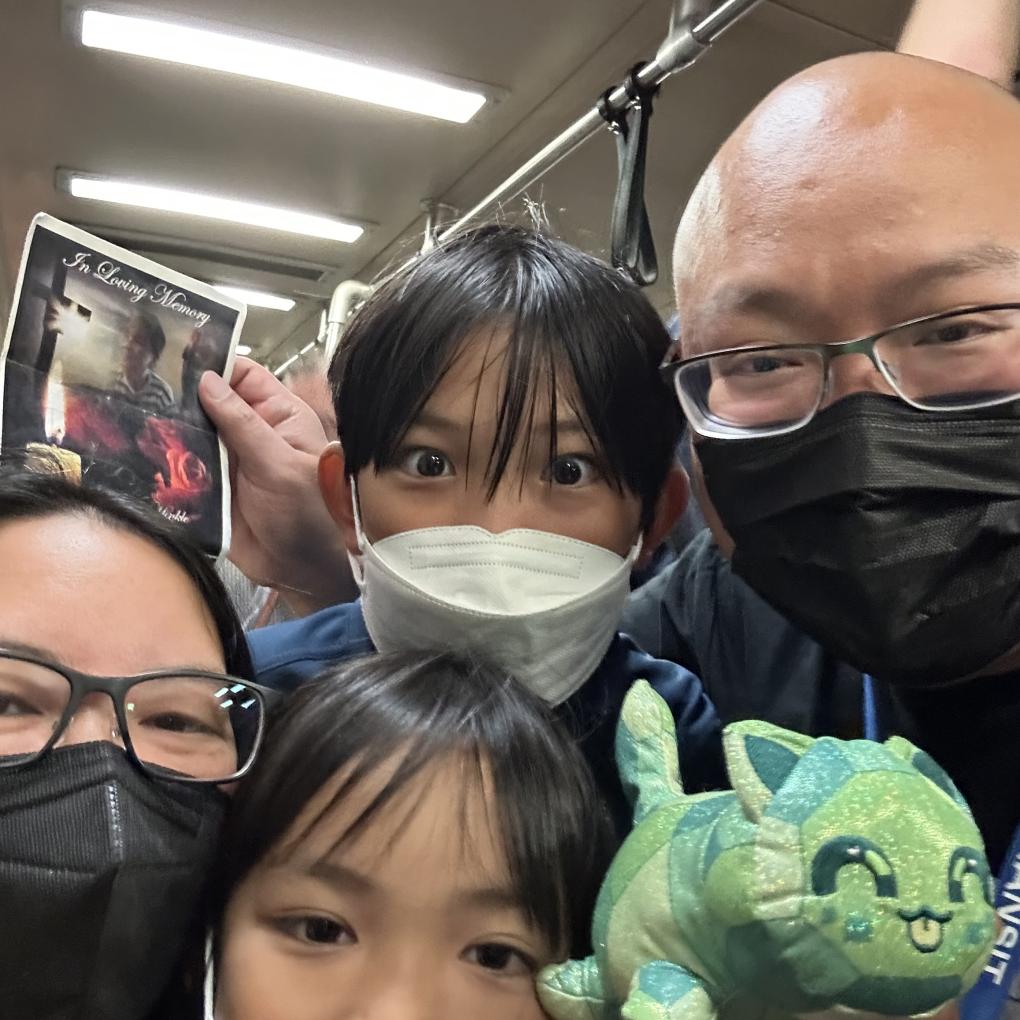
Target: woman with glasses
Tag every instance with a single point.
(125, 705)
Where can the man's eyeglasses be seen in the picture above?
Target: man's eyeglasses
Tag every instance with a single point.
(951, 361)
(184, 725)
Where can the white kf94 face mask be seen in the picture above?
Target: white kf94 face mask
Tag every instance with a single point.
(541, 606)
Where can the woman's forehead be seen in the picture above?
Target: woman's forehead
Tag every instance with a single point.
(87, 573)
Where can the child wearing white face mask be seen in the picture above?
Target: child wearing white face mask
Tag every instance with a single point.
(505, 458)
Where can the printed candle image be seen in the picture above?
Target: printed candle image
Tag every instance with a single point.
(50, 456)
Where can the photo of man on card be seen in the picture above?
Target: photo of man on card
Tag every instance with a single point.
(137, 382)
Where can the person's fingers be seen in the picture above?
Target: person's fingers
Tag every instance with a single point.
(239, 425)
(288, 416)
(242, 366)
(259, 388)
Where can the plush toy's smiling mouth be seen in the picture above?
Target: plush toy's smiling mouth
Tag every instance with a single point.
(925, 928)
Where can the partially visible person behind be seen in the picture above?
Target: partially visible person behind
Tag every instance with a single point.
(982, 36)
(506, 457)
(137, 380)
(418, 840)
(307, 380)
(125, 701)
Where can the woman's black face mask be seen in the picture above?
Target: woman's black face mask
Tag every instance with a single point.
(101, 874)
(890, 535)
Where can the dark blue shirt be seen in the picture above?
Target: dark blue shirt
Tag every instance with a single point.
(289, 654)
(755, 664)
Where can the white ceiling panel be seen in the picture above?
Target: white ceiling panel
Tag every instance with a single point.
(160, 123)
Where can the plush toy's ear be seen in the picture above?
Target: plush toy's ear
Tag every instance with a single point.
(927, 766)
(759, 757)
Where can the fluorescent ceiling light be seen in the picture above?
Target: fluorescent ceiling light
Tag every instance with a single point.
(290, 361)
(309, 69)
(243, 349)
(257, 298)
(191, 203)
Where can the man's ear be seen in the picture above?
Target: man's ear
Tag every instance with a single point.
(338, 493)
(672, 502)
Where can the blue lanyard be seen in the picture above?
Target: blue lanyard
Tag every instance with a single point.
(872, 728)
(996, 996)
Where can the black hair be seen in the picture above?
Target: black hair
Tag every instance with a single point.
(151, 331)
(26, 494)
(419, 707)
(566, 313)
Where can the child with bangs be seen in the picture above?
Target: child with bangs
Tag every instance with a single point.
(505, 460)
(418, 840)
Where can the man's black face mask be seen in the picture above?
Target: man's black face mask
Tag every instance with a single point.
(101, 873)
(890, 535)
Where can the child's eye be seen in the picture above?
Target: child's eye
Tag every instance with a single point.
(572, 469)
(317, 930)
(504, 960)
(421, 462)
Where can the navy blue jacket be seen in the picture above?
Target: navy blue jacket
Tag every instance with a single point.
(288, 654)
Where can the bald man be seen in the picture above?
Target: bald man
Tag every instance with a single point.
(848, 279)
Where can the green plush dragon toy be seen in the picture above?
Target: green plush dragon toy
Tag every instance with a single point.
(837, 876)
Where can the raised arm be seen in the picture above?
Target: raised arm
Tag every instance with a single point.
(982, 36)
(282, 534)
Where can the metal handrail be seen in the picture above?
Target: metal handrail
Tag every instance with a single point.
(688, 38)
(681, 48)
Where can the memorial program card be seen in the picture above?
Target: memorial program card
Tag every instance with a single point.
(99, 375)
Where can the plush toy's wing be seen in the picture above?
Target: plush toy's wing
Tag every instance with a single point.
(573, 991)
(646, 754)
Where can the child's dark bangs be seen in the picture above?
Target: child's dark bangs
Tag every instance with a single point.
(426, 733)
(414, 763)
(409, 355)
(541, 386)
(555, 837)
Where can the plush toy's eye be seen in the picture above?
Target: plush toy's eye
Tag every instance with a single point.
(966, 861)
(846, 850)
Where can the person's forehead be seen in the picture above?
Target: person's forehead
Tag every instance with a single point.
(442, 816)
(813, 192)
(476, 380)
(96, 581)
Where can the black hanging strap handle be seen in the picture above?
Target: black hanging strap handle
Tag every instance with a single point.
(631, 243)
